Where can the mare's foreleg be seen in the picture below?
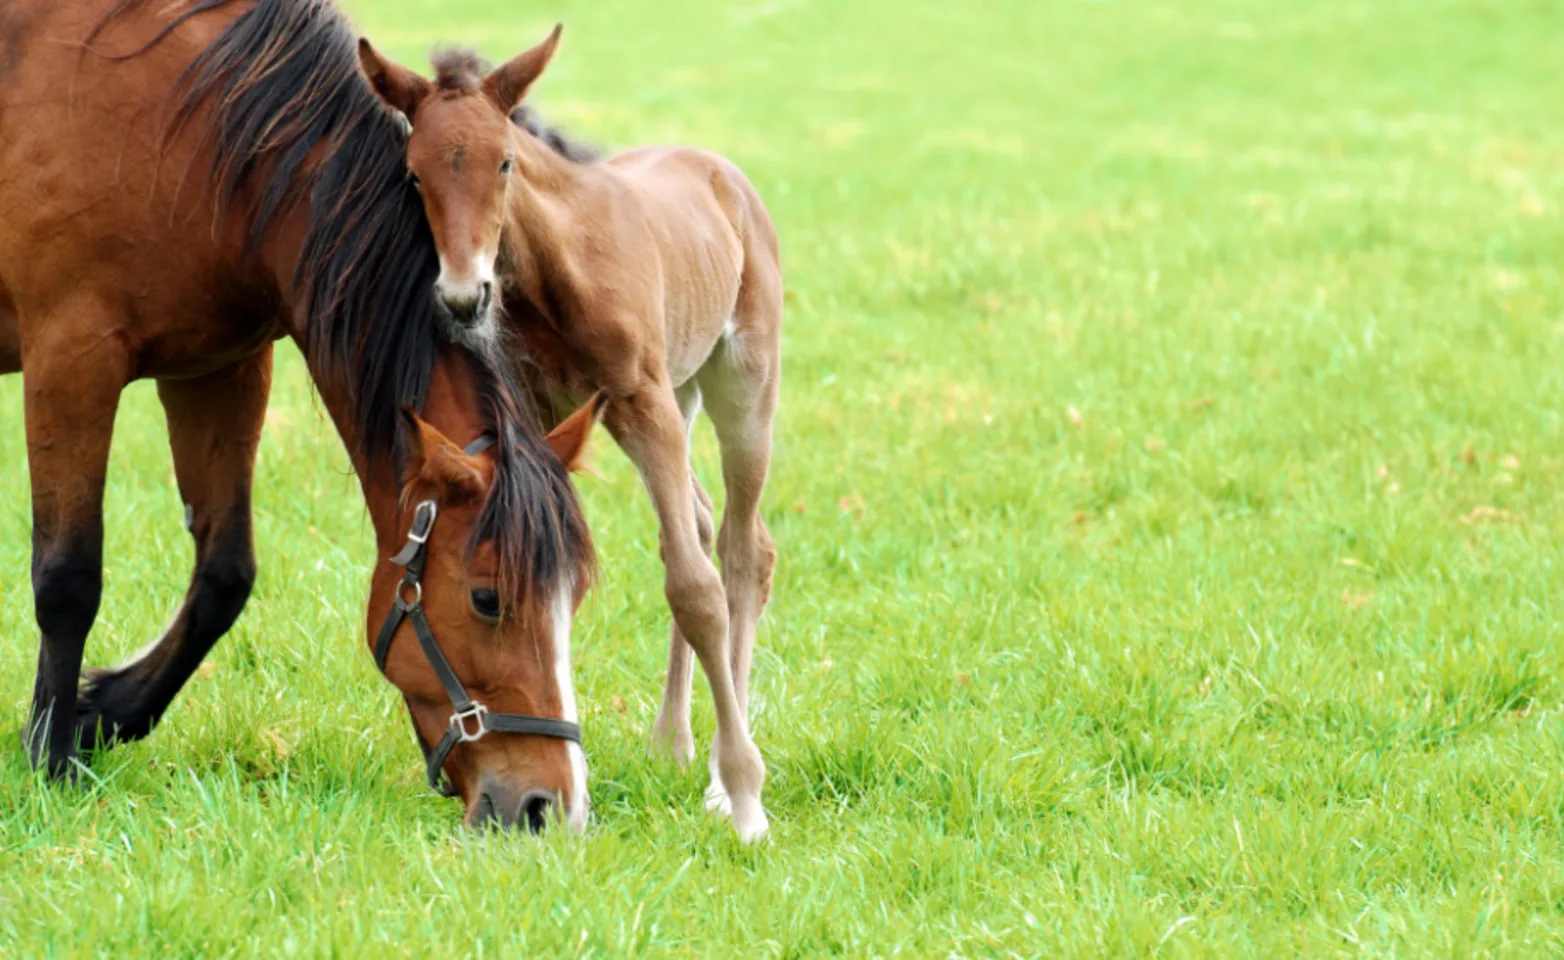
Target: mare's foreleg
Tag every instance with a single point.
(73, 371)
(214, 430)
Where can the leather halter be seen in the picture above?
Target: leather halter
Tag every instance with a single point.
(471, 719)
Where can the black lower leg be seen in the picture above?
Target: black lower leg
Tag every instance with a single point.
(125, 703)
(67, 586)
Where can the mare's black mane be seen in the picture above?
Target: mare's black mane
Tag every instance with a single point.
(292, 121)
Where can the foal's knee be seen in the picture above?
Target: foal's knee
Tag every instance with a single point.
(67, 588)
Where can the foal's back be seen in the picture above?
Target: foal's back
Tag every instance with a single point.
(715, 242)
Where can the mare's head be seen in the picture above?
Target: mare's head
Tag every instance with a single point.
(459, 155)
(503, 631)
(306, 157)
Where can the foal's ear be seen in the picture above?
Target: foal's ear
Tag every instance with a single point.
(569, 439)
(435, 460)
(508, 83)
(398, 86)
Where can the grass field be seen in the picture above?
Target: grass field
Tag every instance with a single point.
(1166, 491)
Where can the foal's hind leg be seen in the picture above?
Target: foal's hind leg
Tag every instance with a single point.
(671, 731)
(73, 371)
(214, 429)
(740, 383)
(649, 428)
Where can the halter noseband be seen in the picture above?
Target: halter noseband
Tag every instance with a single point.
(471, 719)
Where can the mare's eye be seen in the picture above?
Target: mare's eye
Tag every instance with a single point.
(505, 168)
(486, 604)
(413, 179)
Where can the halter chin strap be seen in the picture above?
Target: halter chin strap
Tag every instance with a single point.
(470, 720)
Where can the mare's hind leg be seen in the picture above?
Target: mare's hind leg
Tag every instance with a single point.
(648, 426)
(740, 384)
(214, 429)
(671, 731)
(73, 371)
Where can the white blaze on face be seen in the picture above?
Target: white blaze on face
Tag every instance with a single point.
(576, 814)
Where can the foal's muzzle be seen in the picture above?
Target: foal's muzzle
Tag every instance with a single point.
(467, 304)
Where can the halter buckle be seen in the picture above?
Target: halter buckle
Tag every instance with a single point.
(478, 713)
(423, 522)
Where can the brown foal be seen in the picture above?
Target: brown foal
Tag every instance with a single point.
(118, 263)
(654, 277)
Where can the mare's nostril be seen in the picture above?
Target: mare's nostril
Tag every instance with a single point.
(485, 815)
(485, 296)
(536, 807)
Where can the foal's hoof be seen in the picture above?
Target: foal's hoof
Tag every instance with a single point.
(717, 799)
(749, 820)
(677, 743)
(748, 817)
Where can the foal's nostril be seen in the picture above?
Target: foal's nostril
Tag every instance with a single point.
(462, 311)
(536, 807)
(485, 295)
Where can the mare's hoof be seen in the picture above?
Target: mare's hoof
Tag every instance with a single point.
(63, 770)
(106, 713)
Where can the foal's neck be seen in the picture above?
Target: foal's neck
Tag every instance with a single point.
(539, 220)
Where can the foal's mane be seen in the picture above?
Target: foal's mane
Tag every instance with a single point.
(292, 121)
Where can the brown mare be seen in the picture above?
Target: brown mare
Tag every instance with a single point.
(117, 263)
(654, 277)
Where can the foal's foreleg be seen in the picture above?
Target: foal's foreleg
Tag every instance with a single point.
(73, 372)
(214, 429)
(671, 730)
(648, 427)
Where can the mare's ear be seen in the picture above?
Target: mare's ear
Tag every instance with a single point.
(435, 460)
(508, 83)
(569, 439)
(398, 86)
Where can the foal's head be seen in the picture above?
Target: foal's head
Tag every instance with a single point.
(508, 646)
(459, 156)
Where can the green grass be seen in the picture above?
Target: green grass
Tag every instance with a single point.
(1166, 491)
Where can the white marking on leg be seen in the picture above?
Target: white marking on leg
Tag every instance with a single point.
(576, 814)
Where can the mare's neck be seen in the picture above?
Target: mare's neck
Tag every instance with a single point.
(451, 405)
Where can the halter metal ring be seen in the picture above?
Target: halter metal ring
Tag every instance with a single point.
(477, 713)
(418, 593)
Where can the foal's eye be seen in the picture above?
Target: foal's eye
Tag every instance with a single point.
(417, 183)
(505, 168)
(486, 604)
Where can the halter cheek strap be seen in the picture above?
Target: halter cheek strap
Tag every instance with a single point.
(470, 719)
